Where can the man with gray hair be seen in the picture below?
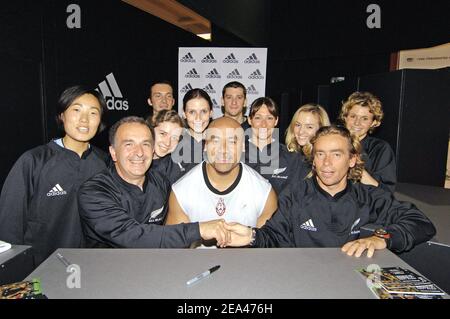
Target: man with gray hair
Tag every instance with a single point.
(124, 206)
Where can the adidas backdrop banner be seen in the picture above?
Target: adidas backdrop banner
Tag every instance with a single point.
(211, 68)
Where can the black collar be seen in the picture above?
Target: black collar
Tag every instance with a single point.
(54, 145)
(131, 187)
(327, 195)
(216, 191)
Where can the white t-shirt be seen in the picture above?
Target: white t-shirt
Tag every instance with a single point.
(242, 202)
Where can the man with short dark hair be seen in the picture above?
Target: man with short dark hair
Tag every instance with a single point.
(161, 97)
(125, 204)
(234, 101)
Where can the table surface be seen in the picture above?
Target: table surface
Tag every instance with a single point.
(13, 252)
(245, 273)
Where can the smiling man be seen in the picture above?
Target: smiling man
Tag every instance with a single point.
(161, 97)
(222, 186)
(333, 209)
(125, 205)
(234, 100)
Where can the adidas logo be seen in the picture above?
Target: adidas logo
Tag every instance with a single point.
(213, 74)
(114, 100)
(209, 89)
(308, 225)
(188, 58)
(56, 191)
(251, 90)
(209, 59)
(215, 104)
(192, 74)
(186, 88)
(252, 59)
(256, 75)
(230, 59)
(234, 75)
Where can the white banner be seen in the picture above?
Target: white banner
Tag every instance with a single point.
(429, 58)
(211, 68)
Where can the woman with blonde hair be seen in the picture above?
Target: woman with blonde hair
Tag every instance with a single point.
(362, 113)
(304, 125)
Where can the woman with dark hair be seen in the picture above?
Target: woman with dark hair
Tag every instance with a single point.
(38, 203)
(197, 113)
(263, 150)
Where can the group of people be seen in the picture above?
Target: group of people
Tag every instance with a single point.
(174, 181)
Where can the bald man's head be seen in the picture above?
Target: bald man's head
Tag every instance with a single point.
(224, 144)
(227, 122)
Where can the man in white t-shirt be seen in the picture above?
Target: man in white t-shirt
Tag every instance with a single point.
(222, 186)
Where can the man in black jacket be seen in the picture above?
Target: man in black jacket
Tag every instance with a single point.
(125, 205)
(328, 210)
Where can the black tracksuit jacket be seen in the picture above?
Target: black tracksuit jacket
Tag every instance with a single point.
(290, 166)
(379, 162)
(168, 168)
(38, 204)
(115, 213)
(187, 154)
(307, 216)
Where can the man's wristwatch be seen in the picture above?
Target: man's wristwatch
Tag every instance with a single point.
(382, 233)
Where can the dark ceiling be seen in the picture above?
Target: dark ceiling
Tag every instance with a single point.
(295, 29)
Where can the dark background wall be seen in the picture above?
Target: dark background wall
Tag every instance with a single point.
(249, 20)
(40, 56)
(308, 43)
(312, 41)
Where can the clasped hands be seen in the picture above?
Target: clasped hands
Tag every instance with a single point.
(236, 235)
(226, 234)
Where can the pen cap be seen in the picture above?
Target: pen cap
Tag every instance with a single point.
(213, 269)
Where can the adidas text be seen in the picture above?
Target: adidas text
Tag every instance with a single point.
(209, 59)
(256, 75)
(116, 104)
(113, 96)
(213, 75)
(230, 59)
(234, 75)
(252, 90)
(56, 191)
(188, 58)
(252, 59)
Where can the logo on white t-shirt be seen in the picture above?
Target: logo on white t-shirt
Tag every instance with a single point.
(220, 207)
